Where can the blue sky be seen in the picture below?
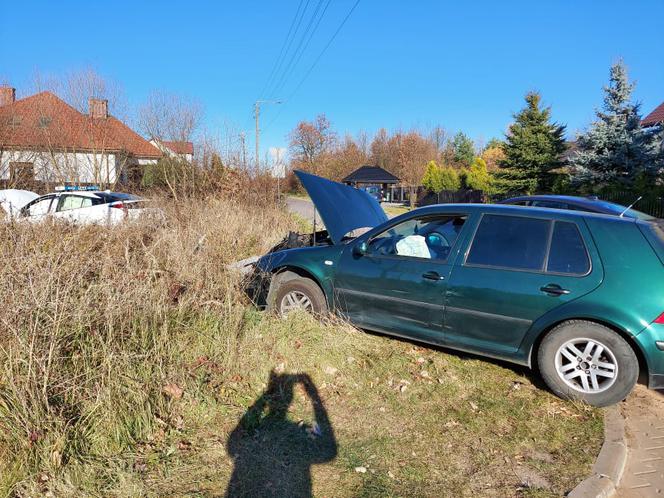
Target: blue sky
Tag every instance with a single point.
(463, 65)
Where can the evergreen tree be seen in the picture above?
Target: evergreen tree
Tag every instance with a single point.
(532, 148)
(616, 150)
(432, 179)
(449, 178)
(463, 149)
(437, 178)
(477, 177)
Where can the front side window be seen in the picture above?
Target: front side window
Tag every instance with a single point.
(568, 252)
(427, 237)
(513, 242)
(39, 207)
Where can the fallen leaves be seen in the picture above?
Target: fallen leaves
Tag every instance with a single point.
(172, 390)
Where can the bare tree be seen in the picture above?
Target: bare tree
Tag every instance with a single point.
(167, 116)
(414, 152)
(309, 141)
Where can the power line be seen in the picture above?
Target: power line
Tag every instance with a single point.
(312, 67)
(350, 12)
(288, 42)
(301, 47)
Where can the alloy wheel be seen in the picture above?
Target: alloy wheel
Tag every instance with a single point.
(295, 300)
(586, 365)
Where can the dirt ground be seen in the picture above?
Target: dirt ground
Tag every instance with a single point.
(644, 416)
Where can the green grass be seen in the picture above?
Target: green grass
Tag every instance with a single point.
(396, 210)
(460, 427)
(131, 365)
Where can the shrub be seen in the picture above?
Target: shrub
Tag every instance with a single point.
(96, 323)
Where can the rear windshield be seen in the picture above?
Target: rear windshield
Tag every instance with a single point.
(116, 196)
(654, 232)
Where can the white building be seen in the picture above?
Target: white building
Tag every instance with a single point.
(45, 140)
(182, 150)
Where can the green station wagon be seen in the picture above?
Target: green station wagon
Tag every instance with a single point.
(578, 296)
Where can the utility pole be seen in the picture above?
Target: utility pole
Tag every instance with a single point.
(244, 152)
(257, 112)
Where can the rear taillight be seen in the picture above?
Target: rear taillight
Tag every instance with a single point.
(660, 319)
(118, 205)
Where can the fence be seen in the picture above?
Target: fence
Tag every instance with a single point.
(426, 198)
(651, 204)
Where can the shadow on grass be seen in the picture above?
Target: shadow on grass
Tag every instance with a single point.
(273, 455)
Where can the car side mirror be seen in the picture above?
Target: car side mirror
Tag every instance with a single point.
(360, 249)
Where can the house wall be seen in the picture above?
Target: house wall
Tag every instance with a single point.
(80, 167)
(187, 157)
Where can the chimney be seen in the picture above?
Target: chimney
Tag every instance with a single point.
(98, 108)
(7, 95)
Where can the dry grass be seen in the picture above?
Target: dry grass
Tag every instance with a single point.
(128, 356)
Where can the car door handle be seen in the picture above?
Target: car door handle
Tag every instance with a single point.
(432, 275)
(555, 290)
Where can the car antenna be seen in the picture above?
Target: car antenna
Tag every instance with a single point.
(630, 206)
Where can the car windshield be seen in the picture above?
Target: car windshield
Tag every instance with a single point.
(629, 213)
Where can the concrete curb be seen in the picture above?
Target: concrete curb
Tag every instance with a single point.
(611, 461)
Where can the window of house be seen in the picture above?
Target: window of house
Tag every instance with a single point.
(44, 121)
(513, 242)
(428, 237)
(13, 121)
(568, 252)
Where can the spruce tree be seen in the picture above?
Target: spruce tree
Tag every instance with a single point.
(616, 150)
(533, 148)
(464, 149)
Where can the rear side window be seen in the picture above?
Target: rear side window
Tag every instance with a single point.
(568, 252)
(510, 242)
(654, 233)
(68, 202)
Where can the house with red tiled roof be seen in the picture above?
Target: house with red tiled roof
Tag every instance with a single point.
(178, 149)
(44, 140)
(655, 117)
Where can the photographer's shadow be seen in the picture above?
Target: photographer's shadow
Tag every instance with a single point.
(273, 455)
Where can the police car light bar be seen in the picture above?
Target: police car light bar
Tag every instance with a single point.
(74, 188)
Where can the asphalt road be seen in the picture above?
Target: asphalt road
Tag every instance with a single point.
(303, 208)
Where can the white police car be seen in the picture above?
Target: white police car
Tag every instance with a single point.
(84, 205)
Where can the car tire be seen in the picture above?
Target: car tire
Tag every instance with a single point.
(587, 361)
(297, 292)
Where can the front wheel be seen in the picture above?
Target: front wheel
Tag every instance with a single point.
(589, 362)
(297, 293)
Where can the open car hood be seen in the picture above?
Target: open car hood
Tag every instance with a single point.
(342, 208)
(12, 200)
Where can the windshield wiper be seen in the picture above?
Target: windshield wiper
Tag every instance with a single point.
(630, 206)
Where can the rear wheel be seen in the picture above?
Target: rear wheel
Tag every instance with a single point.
(587, 361)
(297, 293)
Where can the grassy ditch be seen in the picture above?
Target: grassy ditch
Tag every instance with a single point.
(130, 365)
